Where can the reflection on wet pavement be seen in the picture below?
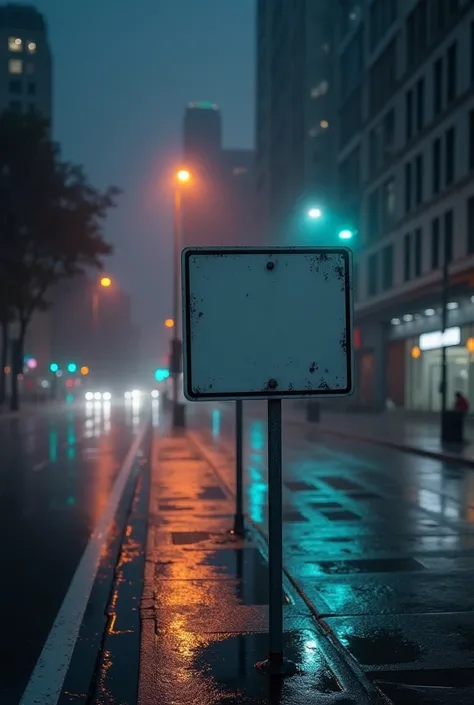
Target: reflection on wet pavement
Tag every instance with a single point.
(381, 542)
(205, 603)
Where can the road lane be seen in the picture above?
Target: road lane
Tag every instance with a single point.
(56, 473)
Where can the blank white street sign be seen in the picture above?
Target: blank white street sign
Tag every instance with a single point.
(267, 323)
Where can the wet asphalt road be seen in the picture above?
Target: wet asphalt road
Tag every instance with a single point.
(57, 468)
(380, 541)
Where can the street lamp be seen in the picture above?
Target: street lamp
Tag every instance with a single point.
(182, 179)
(345, 234)
(315, 213)
(169, 323)
(103, 283)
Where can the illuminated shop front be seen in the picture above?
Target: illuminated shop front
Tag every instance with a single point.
(423, 359)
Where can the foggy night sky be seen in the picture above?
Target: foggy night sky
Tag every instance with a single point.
(123, 73)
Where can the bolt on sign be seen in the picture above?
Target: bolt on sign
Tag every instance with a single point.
(267, 323)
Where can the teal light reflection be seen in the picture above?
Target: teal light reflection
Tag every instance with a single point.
(257, 490)
(53, 445)
(216, 423)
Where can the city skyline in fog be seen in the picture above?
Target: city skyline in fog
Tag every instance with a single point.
(121, 81)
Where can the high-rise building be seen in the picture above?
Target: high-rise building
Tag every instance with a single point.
(218, 206)
(25, 61)
(406, 163)
(295, 118)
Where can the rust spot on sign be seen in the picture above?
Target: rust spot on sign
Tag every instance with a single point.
(313, 368)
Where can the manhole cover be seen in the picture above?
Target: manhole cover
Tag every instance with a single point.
(184, 538)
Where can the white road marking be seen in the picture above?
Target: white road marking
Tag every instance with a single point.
(47, 678)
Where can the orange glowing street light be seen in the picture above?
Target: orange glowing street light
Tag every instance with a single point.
(183, 176)
(169, 323)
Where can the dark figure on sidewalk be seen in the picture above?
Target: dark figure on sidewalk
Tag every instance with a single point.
(461, 403)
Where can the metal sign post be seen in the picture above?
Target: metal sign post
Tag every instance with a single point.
(239, 529)
(270, 324)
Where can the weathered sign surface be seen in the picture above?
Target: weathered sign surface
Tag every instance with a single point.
(267, 323)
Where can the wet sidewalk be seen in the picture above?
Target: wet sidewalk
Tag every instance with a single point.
(398, 429)
(204, 609)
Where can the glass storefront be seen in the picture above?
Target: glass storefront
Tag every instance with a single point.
(423, 373)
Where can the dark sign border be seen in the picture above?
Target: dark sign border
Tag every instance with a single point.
(197, 251)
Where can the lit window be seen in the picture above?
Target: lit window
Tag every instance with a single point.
(15, 66)
(324, 124)
(29, 67)
(319, 90)
(31, 47)
(15, 44)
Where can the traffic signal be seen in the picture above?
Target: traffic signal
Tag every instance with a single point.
(72, 367)
(54, 367)
(84, 370)
(161, 374)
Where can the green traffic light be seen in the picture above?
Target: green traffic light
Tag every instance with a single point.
(161, 375)
(72, 367)
(346, 234)
(54, 367)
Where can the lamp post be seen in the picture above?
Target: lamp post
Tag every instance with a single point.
(183, 177)
(444, 325)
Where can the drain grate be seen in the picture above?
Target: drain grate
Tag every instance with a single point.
(343, 515)
(294, 517)
(340, 483)
(366, 495)
(298, 486)
(211, 493)
(184, 538)
(325, 505)
(174, 508)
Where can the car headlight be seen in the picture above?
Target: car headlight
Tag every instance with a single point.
(97, 396)
(136, 394)
(128, 395)
(89, 396)
(155, 394)
(106, 396)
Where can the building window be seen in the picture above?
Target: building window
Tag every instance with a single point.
(15, 66)
(32, 91)
(15, 44)
(450, 155)
(451, 73)
(417, 34)
(435, 243)
(373, 278)
(32, 107)
(350, 116)
(373, 216)
(15, 86)
(436, 172)
(29, 67)
(381, 142)
(407, 187)
(409, 114)
(472, 52)
(387, 267)
(418, 252)
(388, 203)
(31, 47)
(383, 79)
(420, 104)
(448, 235)
(383, 14)
(320, 90)
(471, 140)
(407, 257)
(15, 106)
(352, 64)
(470, 225)
(419, 179)
(438, 86)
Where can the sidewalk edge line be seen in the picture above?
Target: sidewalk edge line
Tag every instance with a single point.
(47, 678)
(402, 447)
(346, 660)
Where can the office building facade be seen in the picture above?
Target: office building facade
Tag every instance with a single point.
(405, 168)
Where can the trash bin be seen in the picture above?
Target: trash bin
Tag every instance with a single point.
(313, 411)
(452, 427)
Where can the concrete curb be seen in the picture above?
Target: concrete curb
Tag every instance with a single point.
(402, 447)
